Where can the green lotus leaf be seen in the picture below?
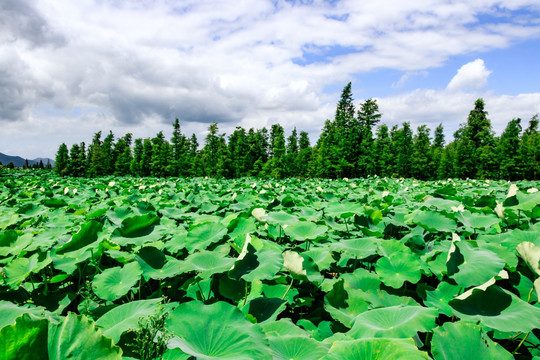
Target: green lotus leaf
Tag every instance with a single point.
(9, 220)
(527, 202)
(478, 221)
(10, 312)
(23, 340)
(309, 214)
(397, 269)
(216, 331)
(246, 263)
(76, 337)
(137, 226)
(203, 235)
(498, 309)
(290, 347)
(394, 322)
(281, 218)
(279, 291)
(361, 279)
(440, 297)
(270, 262)
(87, 235)
(346, 311)
(473, 343)
(241, 226)
(356, 248)
(434, 221)
(113, 283)
(375, 349)
(207, 263)
(478, 266)
(19, 269)
(322, 256)
(344, 210)
(441, 204)
(265, 309)
(169, 268)
(54, 203)
(305, 230)
(126, 317)
(12, 244)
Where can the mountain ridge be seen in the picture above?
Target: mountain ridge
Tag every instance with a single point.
(19, 161)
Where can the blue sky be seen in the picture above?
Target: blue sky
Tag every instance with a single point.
(69, 69)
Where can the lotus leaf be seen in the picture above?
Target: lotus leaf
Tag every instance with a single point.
(478, 266)
(203, 235)
(113, 283)
(137, 226)
(23, 340)
(393, 321)
(216, 331)
(473, 343)
(206, 263)
(76, 337)
(375, 349)
(498, 309)
(397, 269)
(434, 221)
(305, 230)
(126, 317)
(87, 235)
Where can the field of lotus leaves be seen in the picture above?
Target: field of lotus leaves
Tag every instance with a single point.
(113, 268)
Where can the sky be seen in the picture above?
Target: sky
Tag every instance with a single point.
(71, 68)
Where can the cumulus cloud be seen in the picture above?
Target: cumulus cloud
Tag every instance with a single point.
(142, 63)
(473, 75)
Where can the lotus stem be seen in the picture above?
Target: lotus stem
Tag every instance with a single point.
(289, 288)
(521, 342)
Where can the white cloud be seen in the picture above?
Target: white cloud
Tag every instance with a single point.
(473, 75)
(145, 63)
(432, 107)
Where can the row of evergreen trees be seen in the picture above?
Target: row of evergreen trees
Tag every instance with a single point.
(353, 144)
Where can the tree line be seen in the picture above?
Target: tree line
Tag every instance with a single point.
(353, 144)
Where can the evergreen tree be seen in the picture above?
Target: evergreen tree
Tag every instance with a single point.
(62, 160)
(437, 150)
(530, 150)
(384, 158)
(197, 166)
(402, 145)
(124, 158)
(291, 165)
(179, 143)
(239, 152)
(160, 159)
(146, 159)
(304, 155)
(109, 158)
(476, 145)
(77, 161)
(509, 158)
(258, 150)
(275, 165)
(421, 164)
(211, 150)
(362, 138)
(96, 157)
(136, 161)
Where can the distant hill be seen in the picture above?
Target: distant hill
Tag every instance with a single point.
(19, 161)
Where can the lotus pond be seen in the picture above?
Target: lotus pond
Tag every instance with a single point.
(113, 268)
